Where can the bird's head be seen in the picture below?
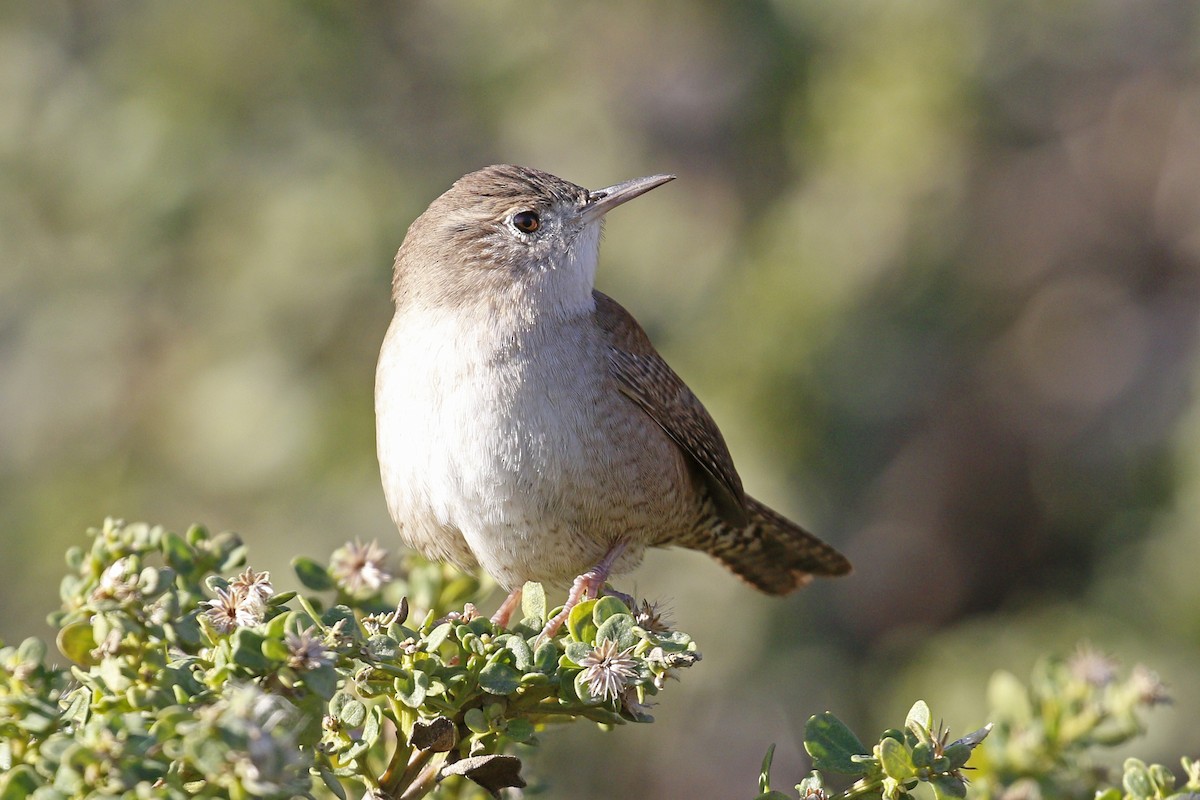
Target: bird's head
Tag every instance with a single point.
(506, 234)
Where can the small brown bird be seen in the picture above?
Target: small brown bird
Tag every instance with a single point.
(526, 425)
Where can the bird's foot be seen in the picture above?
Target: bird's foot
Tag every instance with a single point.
(504, 613)
(585, 586)
(589, 584)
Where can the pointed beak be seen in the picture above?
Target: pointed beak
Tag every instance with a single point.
(600, 201)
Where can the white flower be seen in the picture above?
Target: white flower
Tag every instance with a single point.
(359, 568)
(607, 670)
(232, 609)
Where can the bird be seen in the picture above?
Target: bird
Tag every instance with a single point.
(525, 424)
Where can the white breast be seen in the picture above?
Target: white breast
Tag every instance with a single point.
(482, 435)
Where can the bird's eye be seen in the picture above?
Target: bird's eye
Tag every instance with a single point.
(526, 221)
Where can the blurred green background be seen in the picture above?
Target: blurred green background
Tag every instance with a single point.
(933, 266)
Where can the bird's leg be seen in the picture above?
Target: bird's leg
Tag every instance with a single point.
(589, 584)
(504, 613)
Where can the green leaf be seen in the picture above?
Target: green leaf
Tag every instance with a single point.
(312, 575)
(764, 773)
(606, 607)
(575, 654)
(617, 628)
(322, 681)
(499, 678)
(332, 782)
(32, 651)
(545, 658)
(1009, 698)
(412, 688)
(584, 690)
(76, 641)
(895, 760)
(438, 636)
(948, 787)
(519, 730)
(580, 624)
(475, 720)
(352, 713)
(247, 646)
(922, 755)
(831, 745)
(919, 717)
(78, 705)
(1136, 779)
(533, 602)
(522, 655)
(373, 725)
(1163, 780)
(19, 783)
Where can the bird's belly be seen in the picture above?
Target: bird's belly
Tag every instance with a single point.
(530, 468)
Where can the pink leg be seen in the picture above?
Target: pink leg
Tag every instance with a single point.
(504, 613)
(587, 585)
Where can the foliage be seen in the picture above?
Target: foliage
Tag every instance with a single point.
(186, 683)
(1039, 744)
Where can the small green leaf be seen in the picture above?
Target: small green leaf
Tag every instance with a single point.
(922, 755)
(519, 730)
(32, 651)
(352, 713)
(533, 602)
(764, 773)
(1136, 779)
(499, 678)
(575, 654)
(605, 607)
(475, 720)
(919, 717)
(580, 624)
(247, 647)
(584, 690)
(895, 760)
(617, 628)
(957, 754)
(522, 655)
(948, 787)
(831, 745)
(412, 688)
(1163, 780)
(373, 725)
(545, 658)
(78, 705)
(332, 782)
(312, 575)
(19, 783)
(322, 680)
(76, 641)
(178, 553)
(1009, 697)
(438, 636)
(383, 647)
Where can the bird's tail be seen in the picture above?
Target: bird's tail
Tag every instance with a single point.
(771, 552)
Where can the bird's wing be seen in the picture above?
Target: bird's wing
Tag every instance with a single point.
(646, 379)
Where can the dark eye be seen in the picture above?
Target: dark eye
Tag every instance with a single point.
(526, 221)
